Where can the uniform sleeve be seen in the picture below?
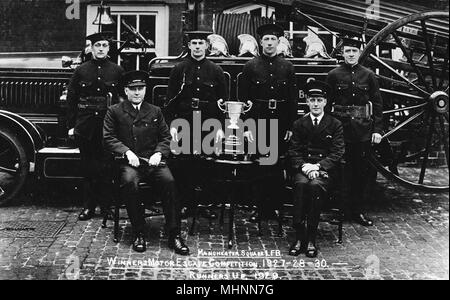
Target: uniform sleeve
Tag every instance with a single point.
(330, 80)
(111, 141)
(293, 99)
(244, 89)
(164, 136)
(377, 102)
(73, 95)
(120, 87)
(244, 83)
(296, 148)
(222, 91)
(175, 81)
(337, 149)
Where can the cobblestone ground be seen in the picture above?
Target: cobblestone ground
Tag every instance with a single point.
(410, 240)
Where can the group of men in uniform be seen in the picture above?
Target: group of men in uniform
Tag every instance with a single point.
(317, 144)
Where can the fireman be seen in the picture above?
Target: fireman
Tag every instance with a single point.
(93, 87)
(357, 103)
(268, 81)
(195, 86)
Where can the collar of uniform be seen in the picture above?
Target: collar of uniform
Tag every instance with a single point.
(99, 62)
(354, 67)
(269, 58)
(199, 62)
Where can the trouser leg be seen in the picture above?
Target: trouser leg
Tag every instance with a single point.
(163, 179)
(86, 160)
(309, 196)
(318, 190)
(130, 178)
(356, 172)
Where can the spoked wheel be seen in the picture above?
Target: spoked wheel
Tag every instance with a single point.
(14, 166)
(411, 60)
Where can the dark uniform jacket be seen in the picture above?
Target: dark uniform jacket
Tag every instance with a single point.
(323, 145)
(356, 85)
(266, 78)
(87, 93)
(203, 80)
(145, 133)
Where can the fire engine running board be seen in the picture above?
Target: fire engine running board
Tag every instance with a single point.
(58, 163)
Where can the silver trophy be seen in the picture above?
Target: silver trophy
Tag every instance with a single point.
(234, 109)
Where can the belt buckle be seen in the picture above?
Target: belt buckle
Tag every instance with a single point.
(272, 104)
(195, 103)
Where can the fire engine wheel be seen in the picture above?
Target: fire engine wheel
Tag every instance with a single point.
(411, 60)
(14, 166)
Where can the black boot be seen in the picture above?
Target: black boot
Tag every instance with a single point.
(139, 243)
(299, 246)
(176, 243)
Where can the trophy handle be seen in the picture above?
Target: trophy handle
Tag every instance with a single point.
(221, 105)
(248, 106)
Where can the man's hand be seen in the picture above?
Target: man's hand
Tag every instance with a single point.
(220, 135)
(288, 135)
(71, 132)
(133, 160)
(249, 136)
(155, 160)
(308, 168)
(174, 134)
(376, 138)
(313, 175)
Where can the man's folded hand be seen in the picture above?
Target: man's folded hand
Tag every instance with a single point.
(155, 159)
(133, 160)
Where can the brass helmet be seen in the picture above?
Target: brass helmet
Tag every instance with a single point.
(248, 46)
(284, 48)
(315, 48)
(218, 46)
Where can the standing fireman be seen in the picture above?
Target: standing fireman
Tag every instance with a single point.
(268, 81)
(195, 86)
(93, 87)
(357, 103)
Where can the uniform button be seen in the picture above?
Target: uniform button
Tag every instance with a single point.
(271, 63)
(198, 68)
(198, 90)
(99, 67)
(96, 113)
(99, 78)
(353, 95)
(98, 90)
(271, 75)
(271, 87)
(198, 78)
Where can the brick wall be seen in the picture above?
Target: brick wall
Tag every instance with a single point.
(31, 25)
(41, 25)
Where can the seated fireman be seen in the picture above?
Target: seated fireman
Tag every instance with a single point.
(316, 148)
(137, 130)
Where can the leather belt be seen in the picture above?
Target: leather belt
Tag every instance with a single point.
(272, 104)
(92, 106)
(353, 111)
(195, 104)
(94, 99)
